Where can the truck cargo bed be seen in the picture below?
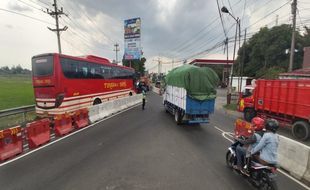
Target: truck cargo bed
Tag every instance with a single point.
(286, 97)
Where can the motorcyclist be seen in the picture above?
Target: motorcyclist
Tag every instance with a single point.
(250, 142)
(268, 145)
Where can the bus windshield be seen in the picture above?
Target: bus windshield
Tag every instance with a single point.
(42, 66)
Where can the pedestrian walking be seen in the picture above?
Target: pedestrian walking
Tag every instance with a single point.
(143, 99)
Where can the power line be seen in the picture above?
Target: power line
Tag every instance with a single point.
(193, 39)
(21, 14)
(187, 44)
(70, 44)
(244, 6)
(29, 5)
(230, 7)
(93, 23)
(257, 21)
(218, 7)
(212, 39)
(184, 44)
(299, 17)
(48, 4)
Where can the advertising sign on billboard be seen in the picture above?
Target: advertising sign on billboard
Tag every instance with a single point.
(132, 35)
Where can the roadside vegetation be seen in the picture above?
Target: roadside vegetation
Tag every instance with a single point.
(16, 88)
(267, 52)
(232, 107)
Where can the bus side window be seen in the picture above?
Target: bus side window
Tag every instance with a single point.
(108, 72)
(116, 72)
(83, 70)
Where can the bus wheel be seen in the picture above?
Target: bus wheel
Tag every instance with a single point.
(300, 130)
(249, 114)
(97, 101)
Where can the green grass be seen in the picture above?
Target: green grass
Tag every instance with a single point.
(231, 107)
(15, 91)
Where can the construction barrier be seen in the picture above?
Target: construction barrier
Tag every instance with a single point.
(93, 113)
(105, 109)
(130, 103)
(123, 104)
(38, 133)
(294, 157)
(81, 118)
(62, 124)
(10, 143)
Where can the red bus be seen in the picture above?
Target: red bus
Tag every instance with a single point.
(63, 84)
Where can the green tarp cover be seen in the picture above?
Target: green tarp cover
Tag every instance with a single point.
(199, 82)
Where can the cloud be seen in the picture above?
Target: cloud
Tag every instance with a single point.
(18, 7)
(9, 26)
(174, 29)
(164, 23)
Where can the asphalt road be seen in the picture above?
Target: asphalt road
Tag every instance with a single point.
(134, 150)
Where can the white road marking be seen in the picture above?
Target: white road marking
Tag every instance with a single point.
(62, 138)
(281, 171)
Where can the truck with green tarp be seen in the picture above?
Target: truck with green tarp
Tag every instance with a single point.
(190, 93)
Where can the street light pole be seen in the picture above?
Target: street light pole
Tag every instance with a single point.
(225, 10)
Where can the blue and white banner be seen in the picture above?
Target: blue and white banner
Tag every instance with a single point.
(132, 36)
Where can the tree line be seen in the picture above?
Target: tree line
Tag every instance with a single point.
(137, 64)
(14, 70)
(266, 53)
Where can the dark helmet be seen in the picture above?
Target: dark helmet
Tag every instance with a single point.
(272, 125)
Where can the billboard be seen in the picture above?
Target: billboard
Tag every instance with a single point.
(132, 36)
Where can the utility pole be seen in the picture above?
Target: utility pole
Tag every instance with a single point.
(239, 64)
(159, 66)
(227, 67)
(56, 13)
(243, 60)
(116, 50)
(232, 66)
(277, 20)
(172, 64)
(294, 7)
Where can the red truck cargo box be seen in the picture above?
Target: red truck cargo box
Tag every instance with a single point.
(288, 97)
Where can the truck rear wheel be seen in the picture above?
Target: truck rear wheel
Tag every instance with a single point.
(300, 130)
(177, 117)
(249, 114)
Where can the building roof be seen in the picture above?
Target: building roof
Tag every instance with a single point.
(211, 62)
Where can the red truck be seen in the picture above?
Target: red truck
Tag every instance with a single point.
(287, 100)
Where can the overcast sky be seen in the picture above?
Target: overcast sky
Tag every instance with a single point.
(171, 29)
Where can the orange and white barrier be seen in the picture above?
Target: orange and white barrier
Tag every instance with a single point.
(62, 124)
(81, 118)
(10, 143)
(38, 133)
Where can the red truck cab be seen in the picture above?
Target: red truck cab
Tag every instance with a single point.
(246, 98)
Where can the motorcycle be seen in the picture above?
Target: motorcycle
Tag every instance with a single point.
(260, 176)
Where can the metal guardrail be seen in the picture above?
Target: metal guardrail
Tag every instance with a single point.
(20, 110)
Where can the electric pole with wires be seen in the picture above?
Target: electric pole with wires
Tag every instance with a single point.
(116, 45)
(56, 14)
(294, 7)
